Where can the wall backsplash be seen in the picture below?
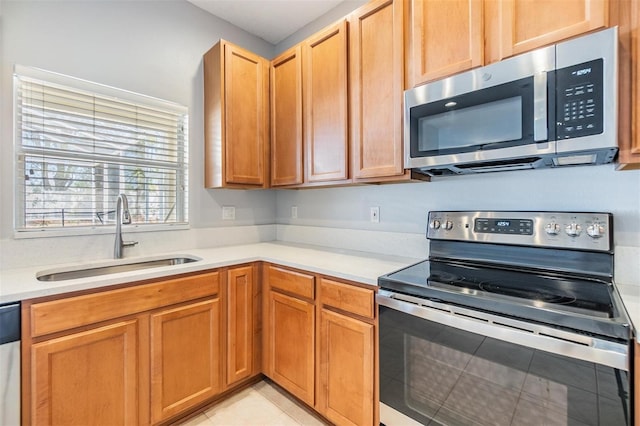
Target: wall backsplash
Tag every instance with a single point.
(404, 207)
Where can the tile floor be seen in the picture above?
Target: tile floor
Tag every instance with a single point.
(261, 404)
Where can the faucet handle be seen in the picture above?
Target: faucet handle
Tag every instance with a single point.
(129, 243)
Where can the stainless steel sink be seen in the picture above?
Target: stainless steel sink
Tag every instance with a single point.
(135, 265)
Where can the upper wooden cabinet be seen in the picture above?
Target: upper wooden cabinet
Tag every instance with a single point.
(629, 102)
(376, 59)
(326, 105)
(450, 36)
(447, 37)
(286, 118)
(523, 25)
(635, 133)
(236, 111)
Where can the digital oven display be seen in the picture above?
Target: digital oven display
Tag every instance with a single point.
(504, 226)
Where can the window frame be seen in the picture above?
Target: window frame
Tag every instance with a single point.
(51, 78)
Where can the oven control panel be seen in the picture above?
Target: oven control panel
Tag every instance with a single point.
(585, 231)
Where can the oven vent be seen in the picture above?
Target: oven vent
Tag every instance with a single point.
(577, 342)
(525, 163)
(514, 327)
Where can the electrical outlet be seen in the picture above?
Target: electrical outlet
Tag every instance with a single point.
(294, 212)
(228, 213)
(375, 214)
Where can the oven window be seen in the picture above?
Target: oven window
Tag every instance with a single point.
(496, 121)
(435, 374)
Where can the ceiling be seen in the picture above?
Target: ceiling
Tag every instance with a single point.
(271, 20)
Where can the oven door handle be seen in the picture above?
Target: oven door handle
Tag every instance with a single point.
(530, 335)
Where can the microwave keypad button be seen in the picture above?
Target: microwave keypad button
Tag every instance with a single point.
(580, 100)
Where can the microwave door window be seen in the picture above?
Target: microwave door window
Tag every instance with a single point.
(473, 127)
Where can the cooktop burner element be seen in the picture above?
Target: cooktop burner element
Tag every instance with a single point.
(527, 294)
(557, 271)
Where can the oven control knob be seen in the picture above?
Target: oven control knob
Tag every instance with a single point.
(595, 230)
(448, 225)
(573, 229)
(552, 228)
(435, 224)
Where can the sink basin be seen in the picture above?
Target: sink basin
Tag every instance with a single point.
(134, 265)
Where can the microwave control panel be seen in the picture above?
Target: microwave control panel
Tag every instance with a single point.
(579, 100)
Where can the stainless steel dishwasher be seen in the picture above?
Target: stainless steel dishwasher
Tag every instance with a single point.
(10, 364)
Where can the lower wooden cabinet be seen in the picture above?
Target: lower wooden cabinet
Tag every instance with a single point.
(150, 352)
(347, 365)
(89, 377)
(243, 325)
(185, 357)
(134, 355)
(289, 330)
(320, 343)
(346, 369)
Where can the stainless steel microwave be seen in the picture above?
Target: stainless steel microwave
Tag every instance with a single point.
(555, 106)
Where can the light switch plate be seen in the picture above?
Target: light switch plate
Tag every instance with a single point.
(228, 213)
(294, 212)
(375, 214)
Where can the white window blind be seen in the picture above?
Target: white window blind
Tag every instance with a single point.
(80, 144)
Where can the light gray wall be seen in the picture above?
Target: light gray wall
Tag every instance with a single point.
(328, 18)
(150, 47)
(404, 207)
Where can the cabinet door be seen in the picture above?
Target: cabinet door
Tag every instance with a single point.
(325, 105)
(447, 38)
(90, 377)
(286, 118)
(291, 345)
(346, 369)
(524, 25)
(376, 67)
(635, 81)
(185, 357)
(246, 112)
(240, 343)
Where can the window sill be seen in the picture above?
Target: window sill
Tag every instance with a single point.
(97, 230)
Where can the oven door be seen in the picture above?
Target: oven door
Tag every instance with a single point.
(453, 366)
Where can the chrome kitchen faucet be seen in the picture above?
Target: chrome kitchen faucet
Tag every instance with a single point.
(122, 218)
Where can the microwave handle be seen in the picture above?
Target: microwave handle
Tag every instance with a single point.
(540, 132)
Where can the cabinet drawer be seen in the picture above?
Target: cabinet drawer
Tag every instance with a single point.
(64, 314)
(346, 297)
(292, 282)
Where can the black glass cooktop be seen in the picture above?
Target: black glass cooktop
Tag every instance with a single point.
(578, 303)
(589, 296)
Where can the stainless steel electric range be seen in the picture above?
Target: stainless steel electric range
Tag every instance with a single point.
(514, 319)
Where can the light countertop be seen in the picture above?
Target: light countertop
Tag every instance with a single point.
(363, 267)
(21, 283)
